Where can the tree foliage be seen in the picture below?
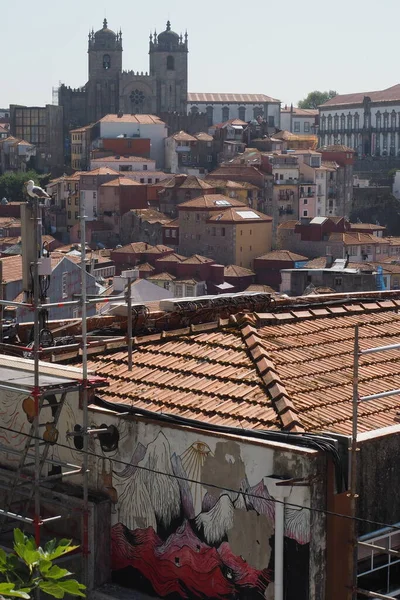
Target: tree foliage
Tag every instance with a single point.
(12, 184)
(29, 568)
(315, 98)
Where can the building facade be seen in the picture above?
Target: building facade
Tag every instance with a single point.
(368, 122)
(246, 107)
(110, 89)
(299, 120)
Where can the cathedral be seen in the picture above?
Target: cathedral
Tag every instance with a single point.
(110, 89)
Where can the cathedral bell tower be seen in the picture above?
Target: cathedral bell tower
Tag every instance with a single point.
(169, 65)
(105, 66)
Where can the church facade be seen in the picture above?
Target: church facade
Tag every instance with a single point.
(164, 89)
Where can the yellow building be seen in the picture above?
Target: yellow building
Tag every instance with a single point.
(80, 148)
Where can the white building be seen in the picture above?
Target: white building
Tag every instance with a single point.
(135, 126)
(124, 164)
(299, 120)
(223, 107)
(369, 122)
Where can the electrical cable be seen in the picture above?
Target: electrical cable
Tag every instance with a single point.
(213, 485)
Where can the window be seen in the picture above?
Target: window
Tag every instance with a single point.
(349, 121)
(342, 122)
(149, 180)
(296, 127)
(242, 113)
(142, 180)
(167, 233)
(385, 120)
(197, 216)
(210, 115)
(94, 195)
(323, 123)
(257, 112)
(378, 120)
(137, 98)
(209, 158)
(64, 285)
(338, 281)
(223, 231)
(194, 110)
(271, 121)
(356, 121)
(305, 201)
(213, 231)
(306, 127)
(305, 213)
(189, 290)
(170, 63)
(69, 201)
(393, 119)
(166, 285)
(106, 62)
(76, 215)
(144, 167)
(335, 123)
(178, 290)
(173, 233)
(225, 113)
(75, 313)
(69, 214)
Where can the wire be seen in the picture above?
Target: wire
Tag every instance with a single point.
(212, 485)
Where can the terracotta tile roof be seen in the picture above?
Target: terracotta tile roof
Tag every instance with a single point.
(186, 182)
(147, 267)
(211, 201)
(137, 119)
(99, 171)
(12, 266)
(120, 158)
(227, 183)
(282, 255)
(301, 112)
(370, 226)
(388, 95)
(207, 376)
(203, 137)
(150, 215)
(329, 165)
(124, 181)
(9, 222)
(172, 258)
(228, 98)
(240, 215)
(233, 122)
(316, 263)
(197, 259)
(159, 249)
(192, 281)
(134, 248)
(356, 238)
(236, 271)
(161, 277)
(182, 136)
(288, 225)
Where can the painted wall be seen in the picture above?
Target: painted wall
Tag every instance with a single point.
(156, 133)
(192, 514)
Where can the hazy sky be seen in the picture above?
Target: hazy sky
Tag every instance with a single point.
(280, 48)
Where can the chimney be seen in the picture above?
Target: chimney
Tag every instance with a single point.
(120, 114)
(217, 274)
(29, 252)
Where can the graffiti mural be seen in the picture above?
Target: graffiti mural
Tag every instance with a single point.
(179, 535)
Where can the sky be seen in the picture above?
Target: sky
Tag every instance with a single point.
(280, 48)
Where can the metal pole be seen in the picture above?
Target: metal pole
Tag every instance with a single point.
(129, 292)
(36, 342)
(353, 466)
(85, 516)
(369, 594)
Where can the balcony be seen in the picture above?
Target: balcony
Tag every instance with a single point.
(286, 182)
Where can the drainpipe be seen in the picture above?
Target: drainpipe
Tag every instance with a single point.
(280, 493)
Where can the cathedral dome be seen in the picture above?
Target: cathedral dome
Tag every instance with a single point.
(102, 33)
(168, 38)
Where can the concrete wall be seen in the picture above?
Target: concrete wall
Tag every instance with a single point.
(155, 132)
(269, 110)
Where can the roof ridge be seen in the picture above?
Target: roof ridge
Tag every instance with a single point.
(282, 403)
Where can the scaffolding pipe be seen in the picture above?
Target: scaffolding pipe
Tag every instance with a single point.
(380, 349)
(36, 344)
(353, 458)
(129, 308)
(85, 419)
(380, 548)
(379, 395)
(374, 595)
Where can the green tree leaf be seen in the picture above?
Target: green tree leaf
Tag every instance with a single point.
(73, 587)
(7, 589)
(19, 537)
(57, 573)
(316, 98)
(52, 588)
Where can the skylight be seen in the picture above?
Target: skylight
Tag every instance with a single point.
(248, 214)
(223, 203)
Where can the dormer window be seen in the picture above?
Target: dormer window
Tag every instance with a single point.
(106, 62)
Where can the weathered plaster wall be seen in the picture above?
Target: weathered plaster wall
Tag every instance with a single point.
(192, 514)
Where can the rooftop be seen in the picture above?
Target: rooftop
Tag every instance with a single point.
(124, 181)
(135, 119)
(237, 271)
(227, 98)
(282, 255)
(211, 201)
(119, 158)
(240, 215)
(186, 181)
(388, 95)
(99, 171)
(300, 112)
